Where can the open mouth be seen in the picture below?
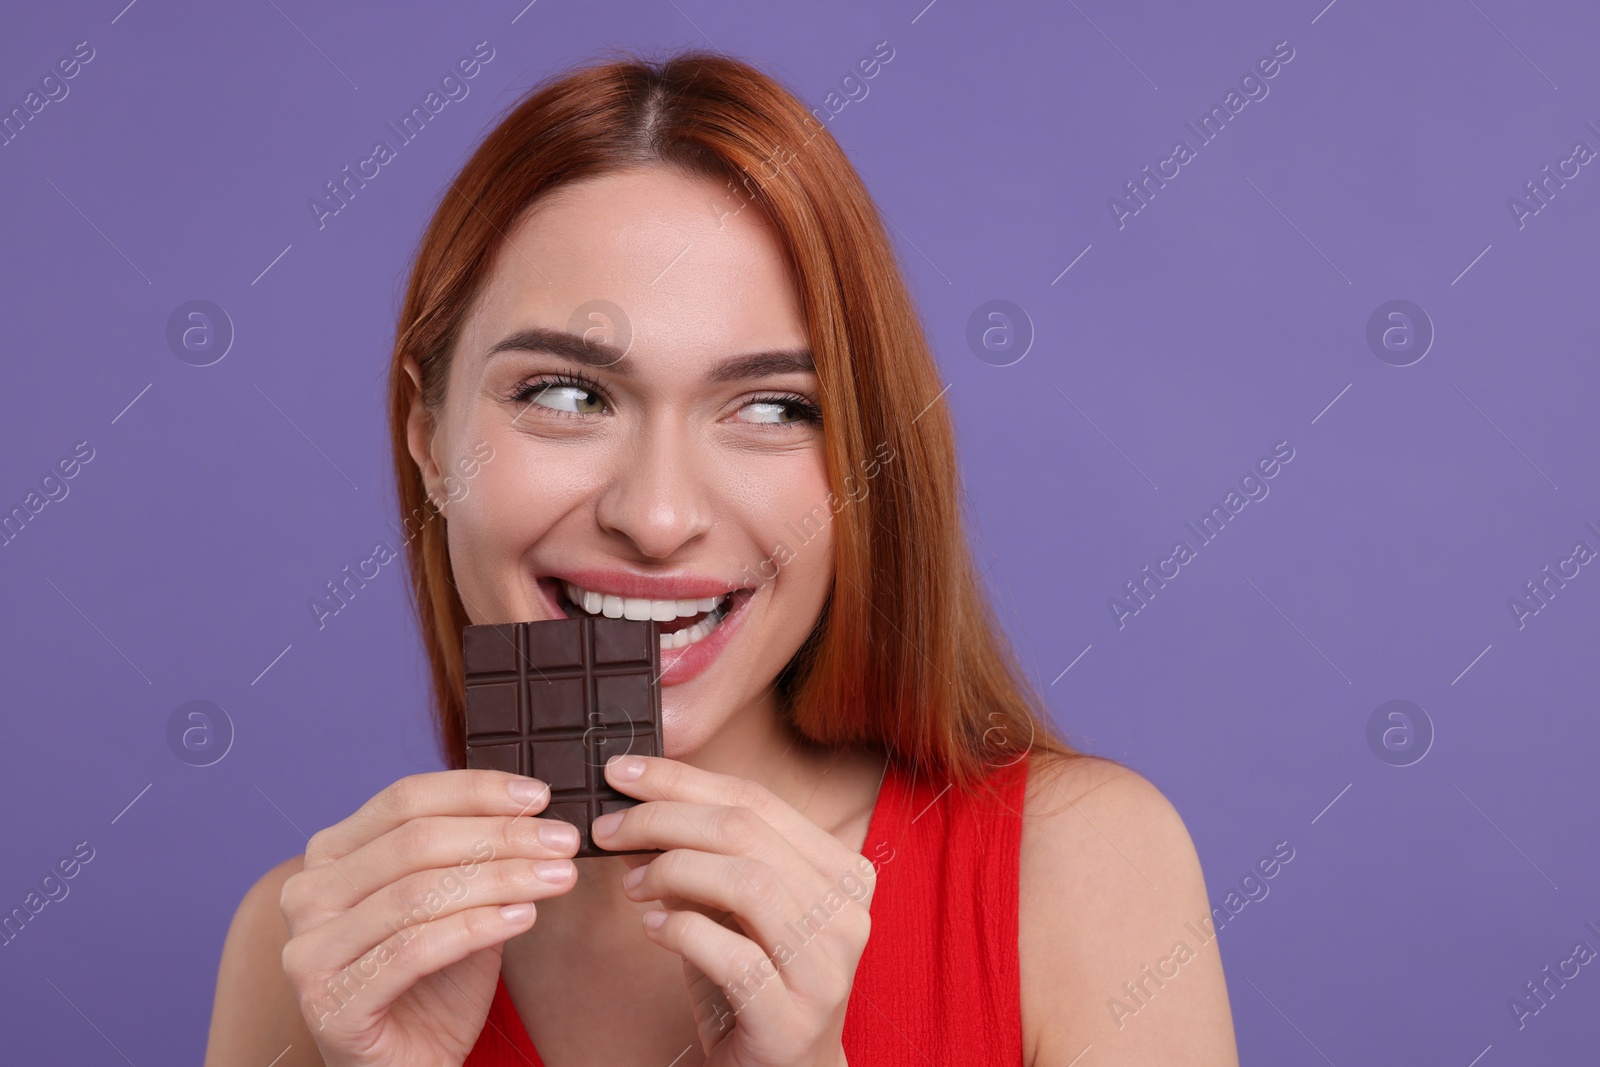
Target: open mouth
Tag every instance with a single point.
(683, 622)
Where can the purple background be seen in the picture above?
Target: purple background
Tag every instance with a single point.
(1229, 314)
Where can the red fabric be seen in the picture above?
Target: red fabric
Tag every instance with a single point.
(938, 982)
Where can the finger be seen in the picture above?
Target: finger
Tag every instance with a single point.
(748, 889)
(713, 1017)
(669, 824)
(632, 860)
(429, 843)
(463, 792)
(350, 998)
(813, 938)
(752, 983)
(657, 778)
(421, 898)
(727, 918)
(726, 831)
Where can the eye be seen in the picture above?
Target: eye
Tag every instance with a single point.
(573, 398)
(781, 410)
(561, 393)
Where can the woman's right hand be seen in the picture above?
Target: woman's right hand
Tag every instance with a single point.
(398, 920)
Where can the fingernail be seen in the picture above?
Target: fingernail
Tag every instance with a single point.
(634, 877)
(553, 870)
(606, 825)
(624, 768)
(654, 918)
(516, 914)
(526, 790)
(558, 835)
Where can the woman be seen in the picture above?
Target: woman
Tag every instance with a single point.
(656, 356)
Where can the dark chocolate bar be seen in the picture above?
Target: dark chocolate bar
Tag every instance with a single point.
(556, 699)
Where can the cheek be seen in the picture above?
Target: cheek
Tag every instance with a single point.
(513, 502)
(795, 528)
(768, 505)
(784, 509)
(804, 580)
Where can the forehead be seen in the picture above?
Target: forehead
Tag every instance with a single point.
(691, 272)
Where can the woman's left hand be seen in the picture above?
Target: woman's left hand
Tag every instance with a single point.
(768, 910)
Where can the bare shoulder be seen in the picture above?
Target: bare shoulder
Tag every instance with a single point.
(1116, 950)
(255, 1015)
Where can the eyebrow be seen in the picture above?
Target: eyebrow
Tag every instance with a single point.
(602, 356)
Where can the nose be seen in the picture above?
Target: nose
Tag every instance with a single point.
(658, 498)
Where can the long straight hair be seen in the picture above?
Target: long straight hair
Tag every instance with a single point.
(907, 656)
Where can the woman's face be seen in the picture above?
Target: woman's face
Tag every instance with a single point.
(656, 483)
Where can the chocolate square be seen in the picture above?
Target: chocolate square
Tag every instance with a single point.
(556, 699)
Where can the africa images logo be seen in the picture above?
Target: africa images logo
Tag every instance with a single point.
(1253, 87)
(453, 87)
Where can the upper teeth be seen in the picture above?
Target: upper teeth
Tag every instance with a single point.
(631, 607)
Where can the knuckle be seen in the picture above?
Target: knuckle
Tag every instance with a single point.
(856, 926)
(515, 878)
(665, 868)
(748, 794)
(487, 787)
(739, 828)
(519, 836)
(292, 959)
(410, 897)
(762, 885)
(407, 948)
(401, 794)
(508, 837)
(427, 894)
(742, 960)
(301, 903)
(416, 838)
(857, 879)
(291, 896)
(479, 925)
(317, 846)
(840, 985)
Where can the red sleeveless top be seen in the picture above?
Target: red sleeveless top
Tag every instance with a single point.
(938, 982)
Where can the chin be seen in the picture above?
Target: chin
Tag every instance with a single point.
(693, 715)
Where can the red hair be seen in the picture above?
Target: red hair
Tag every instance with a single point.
(907, 656)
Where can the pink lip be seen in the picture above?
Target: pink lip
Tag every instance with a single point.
(650, 586)
(679, 665)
